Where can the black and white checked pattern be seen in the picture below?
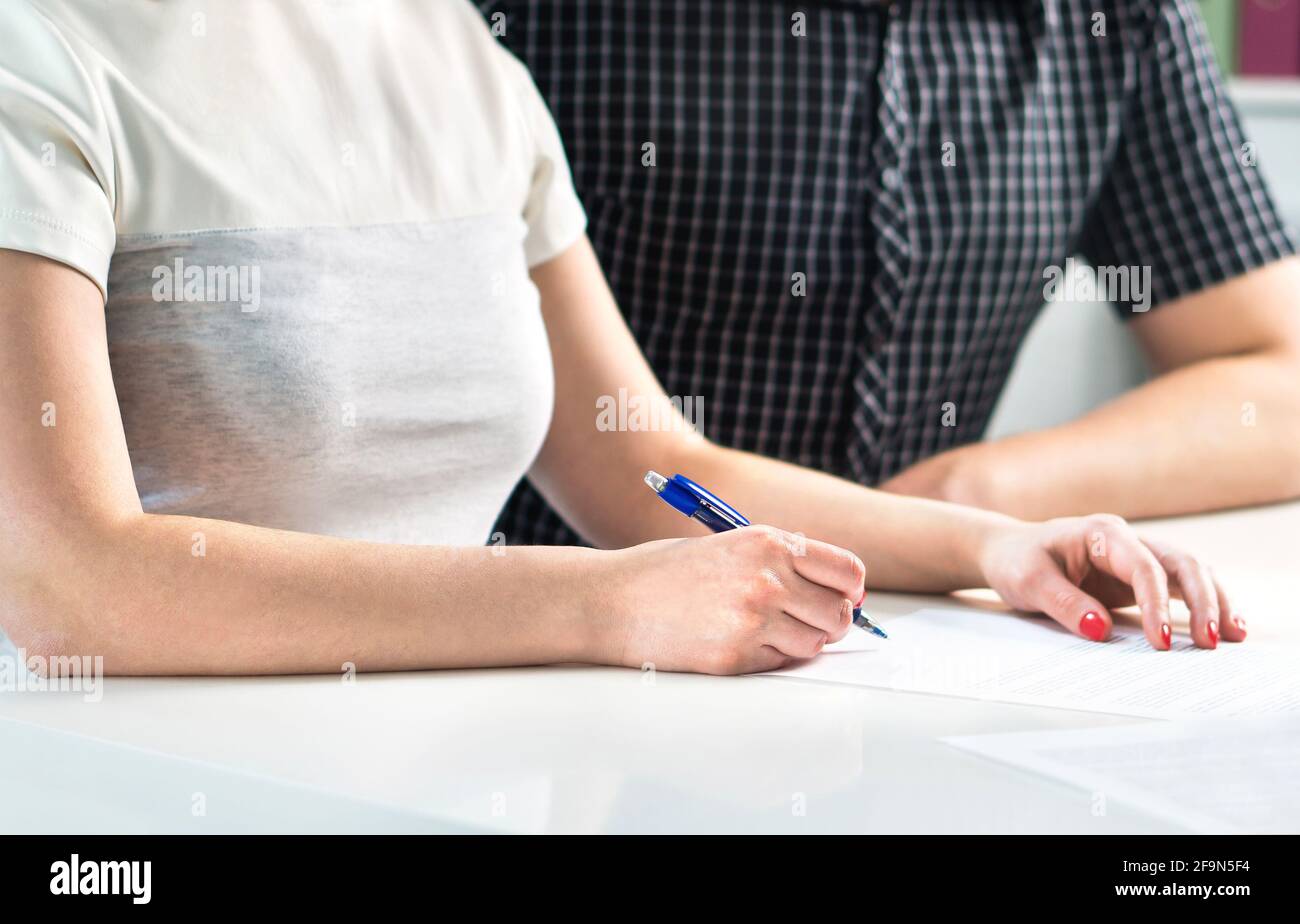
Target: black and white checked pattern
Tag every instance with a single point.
(921, 162)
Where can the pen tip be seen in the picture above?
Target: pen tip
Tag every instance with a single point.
(861, 620)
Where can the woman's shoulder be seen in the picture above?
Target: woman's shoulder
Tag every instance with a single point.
(458, 34)
(36, 46)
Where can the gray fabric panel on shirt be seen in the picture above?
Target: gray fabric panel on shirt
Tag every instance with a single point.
(389, 383)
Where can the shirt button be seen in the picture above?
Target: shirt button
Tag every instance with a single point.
(889, 176)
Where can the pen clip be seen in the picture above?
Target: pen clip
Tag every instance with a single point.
(724, 513)
(714, 504)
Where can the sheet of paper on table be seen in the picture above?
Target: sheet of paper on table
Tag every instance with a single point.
(1022, 659)
(1218, 776)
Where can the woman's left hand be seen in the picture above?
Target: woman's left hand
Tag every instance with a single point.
(1075, 569)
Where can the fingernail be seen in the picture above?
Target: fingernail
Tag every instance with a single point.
(822, 643)
(1212, 630)
(1240, 624)
(1165, 634)
(1091, 626)
(860, 599)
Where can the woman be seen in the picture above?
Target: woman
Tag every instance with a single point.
(271, 433)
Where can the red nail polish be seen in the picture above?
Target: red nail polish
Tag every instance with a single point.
(860, 599)
(1212, 630)
(1165, 634)
(1240, 624)
(1091, 626)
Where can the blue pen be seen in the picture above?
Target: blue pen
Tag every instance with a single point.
(688, 497)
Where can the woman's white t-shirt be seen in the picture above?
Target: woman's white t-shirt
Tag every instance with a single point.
(312, 223)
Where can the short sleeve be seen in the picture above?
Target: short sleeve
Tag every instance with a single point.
(56, 165)
(1183, 196)
(553, 212)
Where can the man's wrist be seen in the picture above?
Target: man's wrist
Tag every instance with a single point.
(959, 476)
(970, 477)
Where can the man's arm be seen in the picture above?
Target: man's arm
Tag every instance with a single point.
(1218, 427)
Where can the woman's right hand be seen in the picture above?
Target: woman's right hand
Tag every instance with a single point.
(747, 600)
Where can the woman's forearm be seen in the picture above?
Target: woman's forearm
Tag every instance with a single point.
(909, 544)
(181, 595)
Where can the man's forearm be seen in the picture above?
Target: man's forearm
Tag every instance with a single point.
(1223, 432)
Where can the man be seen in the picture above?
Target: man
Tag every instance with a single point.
(834, 223)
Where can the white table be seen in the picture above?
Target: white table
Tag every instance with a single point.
(571, 748)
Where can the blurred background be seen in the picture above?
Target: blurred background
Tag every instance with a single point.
(1078, 355)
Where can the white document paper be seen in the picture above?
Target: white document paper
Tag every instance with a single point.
(1217, 776)
(1022, 659)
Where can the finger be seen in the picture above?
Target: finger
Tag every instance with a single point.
(1191, 580)
(829, 565)
(1197, 589)
(1121, 554)
(1232, 628)
(795, 638)
(820, 607)
(1052, 593)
